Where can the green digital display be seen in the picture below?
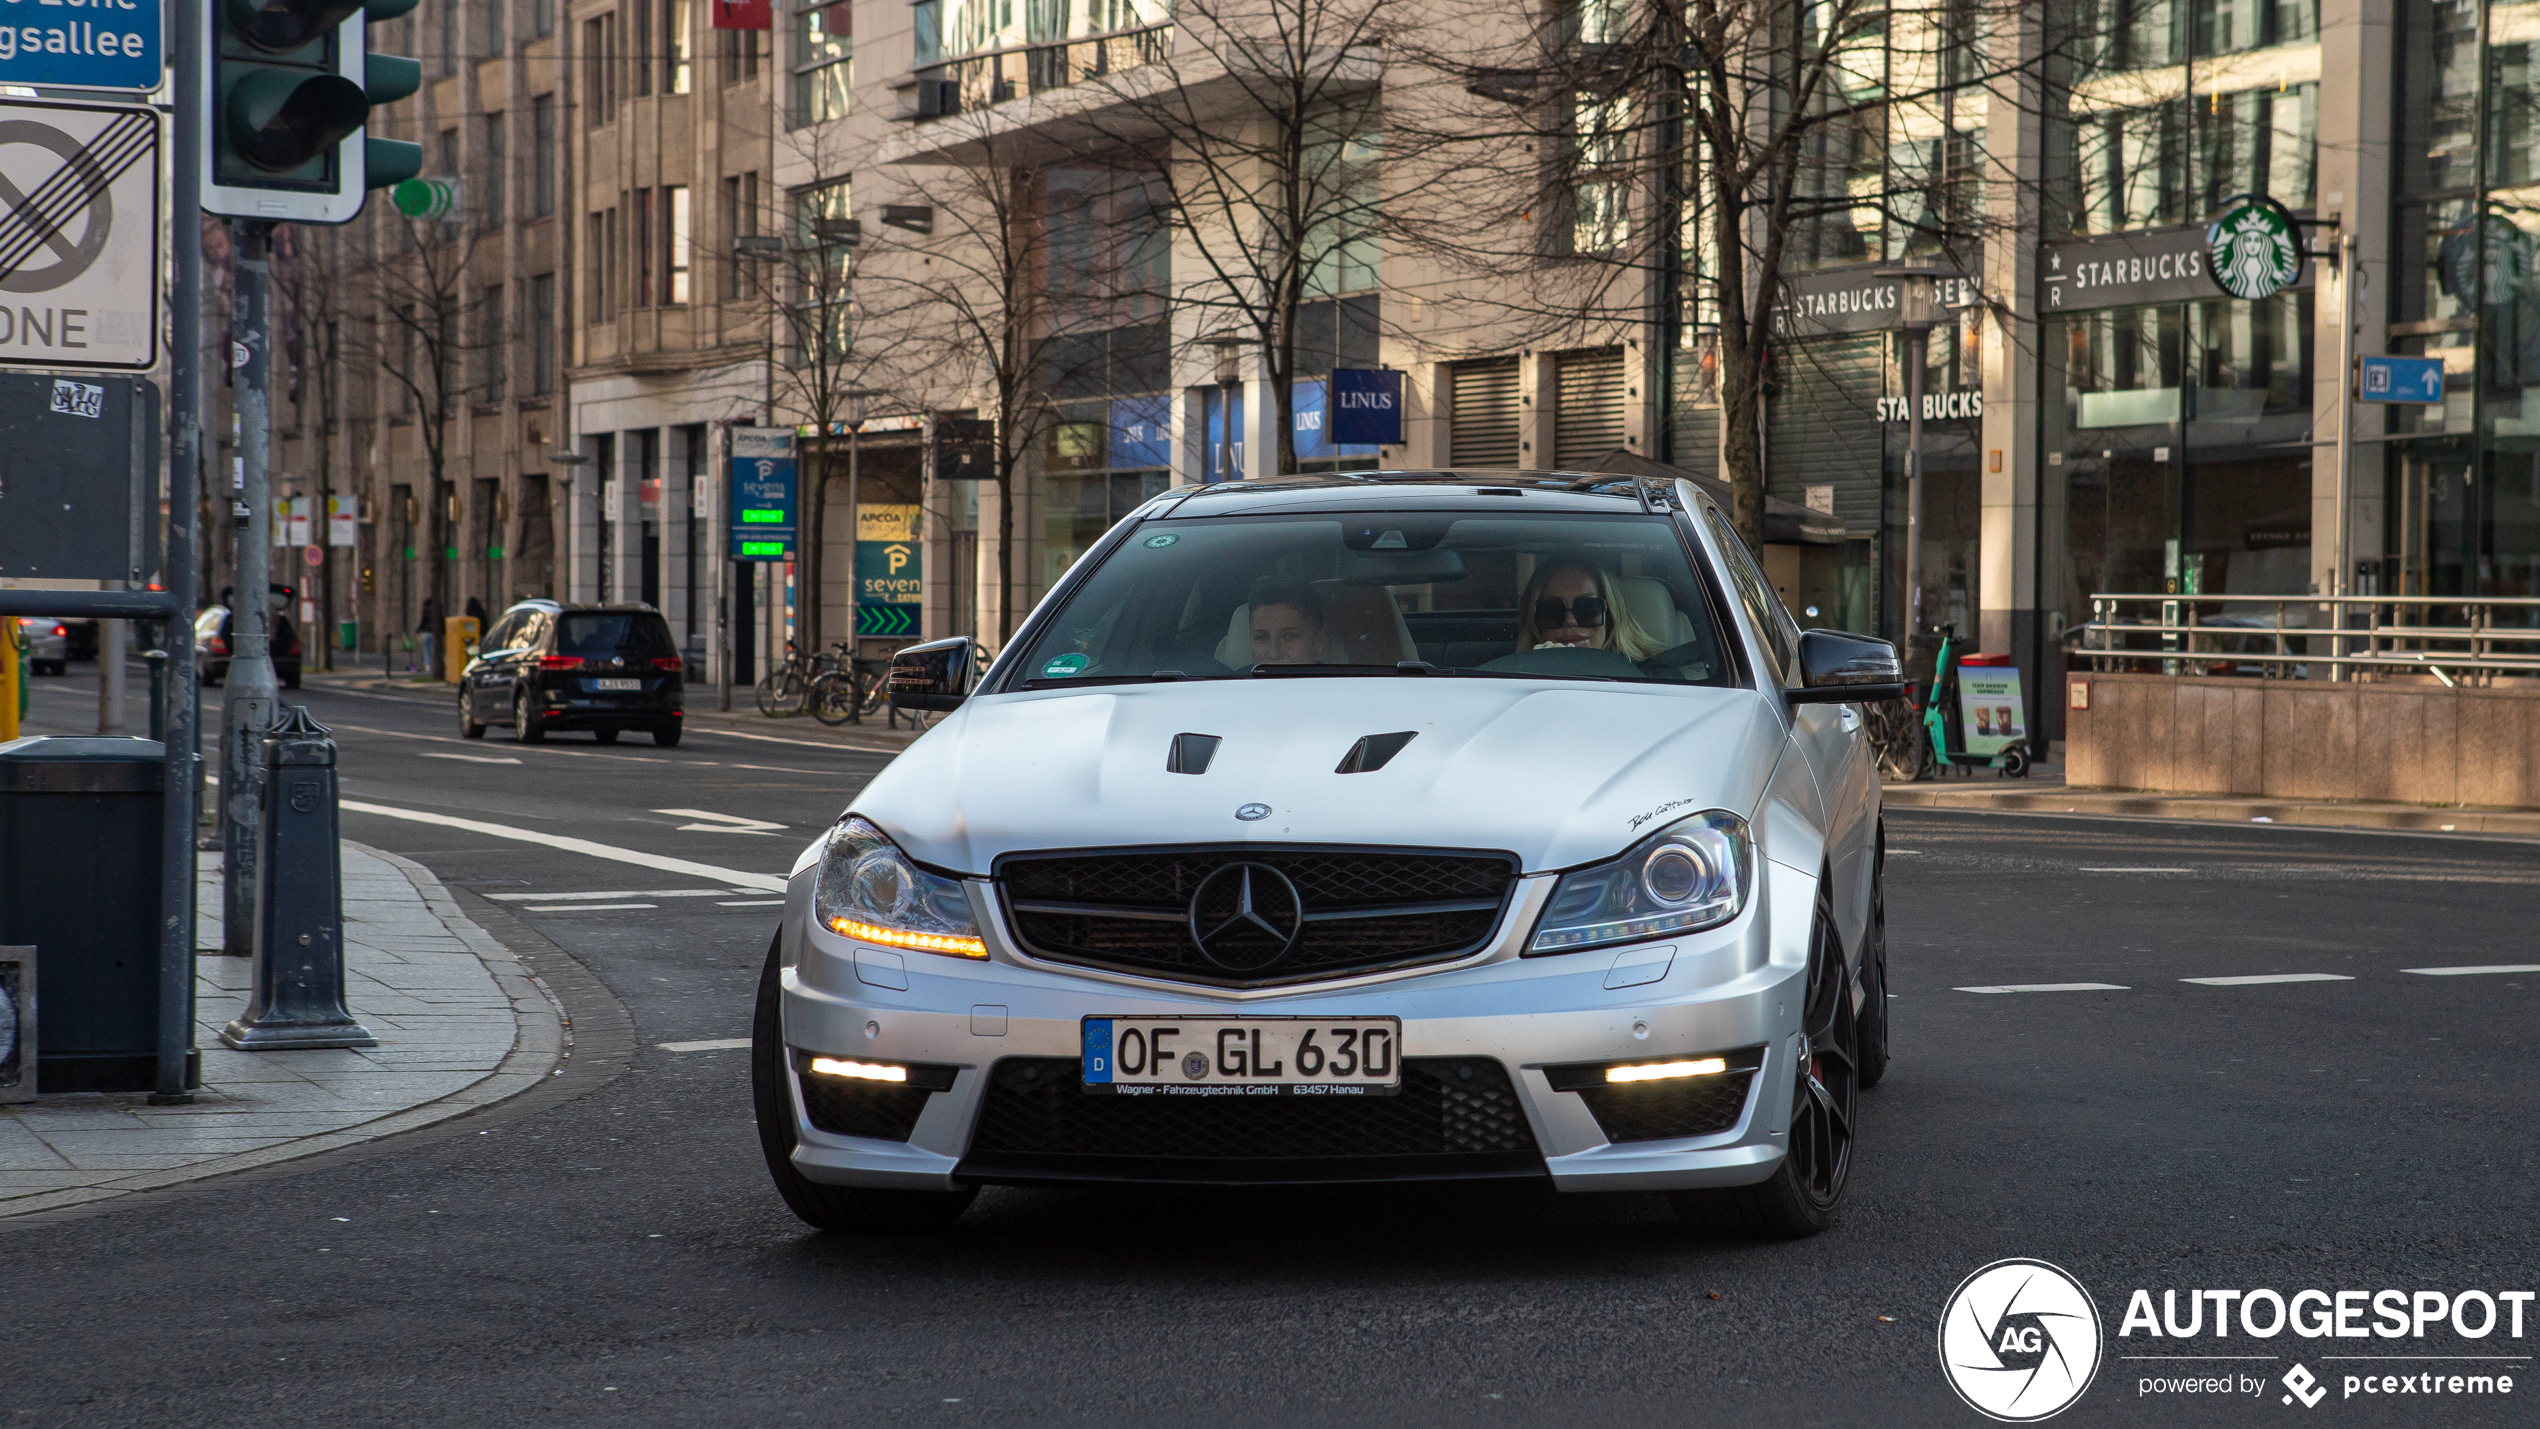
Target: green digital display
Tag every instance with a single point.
(762, 518)
(761, 548)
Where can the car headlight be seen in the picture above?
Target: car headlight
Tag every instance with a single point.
(868, 890)
(1691, 875)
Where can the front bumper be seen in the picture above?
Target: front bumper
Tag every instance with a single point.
(1732, 989)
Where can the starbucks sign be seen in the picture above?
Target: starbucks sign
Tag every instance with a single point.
(2254, 250)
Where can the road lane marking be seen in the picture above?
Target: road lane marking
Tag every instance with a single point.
(838, 748)
(2256, 979)
(621, 893)
(586, 907)
(470, 758)
(2475, 971)
(718, 1044)
(2088, 869)
(763, 882)
(2052, 987)
(723, 823)
(754, 903)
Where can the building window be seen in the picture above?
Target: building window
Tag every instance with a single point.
(495, 164)
(542, 18)
(824, 63)
(740, 55)
(740, 220)
(599, 58)
(600, 306)
(822, 303)
(542, 156)
(1342, 246)
(674, 208)
(641, 23)
(542, 335)
(489, 341)
(449, 40)
(489, 44)
(1600, 196)
(678, 19)
(642, 297)
(450, 152)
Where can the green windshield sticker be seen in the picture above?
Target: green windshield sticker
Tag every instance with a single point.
(1064, 666)
(1158, 543)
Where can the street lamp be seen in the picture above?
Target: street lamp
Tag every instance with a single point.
(1230, 373)
(1917, 308)
(853, 409)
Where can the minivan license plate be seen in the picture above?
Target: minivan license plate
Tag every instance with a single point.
(1243, 1056)
(606, 686)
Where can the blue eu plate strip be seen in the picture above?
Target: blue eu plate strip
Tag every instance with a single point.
(1098, 1049)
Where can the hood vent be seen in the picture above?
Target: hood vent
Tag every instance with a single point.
(1373, 752)
(1191, 753)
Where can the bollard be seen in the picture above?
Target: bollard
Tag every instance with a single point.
(299, 997)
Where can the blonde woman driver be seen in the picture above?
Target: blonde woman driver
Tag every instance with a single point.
(1573, 602)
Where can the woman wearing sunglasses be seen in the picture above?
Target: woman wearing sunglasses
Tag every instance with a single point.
(1574, 602)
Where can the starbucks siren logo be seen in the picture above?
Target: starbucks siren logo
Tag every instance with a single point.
(2255, 250)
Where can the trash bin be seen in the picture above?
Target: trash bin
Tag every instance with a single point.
(79, 880)
(458, 646)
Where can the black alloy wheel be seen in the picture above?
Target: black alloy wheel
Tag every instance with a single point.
(527, 727)
(1804, 1193)
(828, 1208)
(468, 726)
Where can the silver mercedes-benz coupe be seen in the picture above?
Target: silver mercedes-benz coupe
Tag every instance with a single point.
(1374, 828)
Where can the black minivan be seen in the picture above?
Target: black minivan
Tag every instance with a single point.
(546, 666)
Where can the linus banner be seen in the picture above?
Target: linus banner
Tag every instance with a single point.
(1366, 407)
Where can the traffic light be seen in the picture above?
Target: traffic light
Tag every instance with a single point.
(288, 85)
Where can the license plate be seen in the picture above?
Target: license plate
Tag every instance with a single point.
(1243, 1056)
(605, 686)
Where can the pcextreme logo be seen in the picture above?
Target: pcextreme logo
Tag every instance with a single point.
(2019, 1340)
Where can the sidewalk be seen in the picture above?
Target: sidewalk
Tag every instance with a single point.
(461, 1025)
(2044, 792)
(743, 718)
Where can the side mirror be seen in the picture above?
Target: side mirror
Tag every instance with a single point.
(934, 676)
(1836, 668)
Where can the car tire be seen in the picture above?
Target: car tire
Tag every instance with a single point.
(828, 1208)
(292, 682)
(527, 727)
(50, 667)
(605, 736)
(1874, 1007)
(1804, 1194)
(468, 727)
(666, 738)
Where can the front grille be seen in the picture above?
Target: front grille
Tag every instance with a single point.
(1361, 910)
(1454, 1117)
(1659, 1111)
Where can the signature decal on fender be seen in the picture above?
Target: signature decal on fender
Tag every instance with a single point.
(1667, 808)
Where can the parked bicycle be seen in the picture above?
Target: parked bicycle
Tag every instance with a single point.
(787, 689)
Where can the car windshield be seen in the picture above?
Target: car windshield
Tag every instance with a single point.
(625, 635)
(1584, 597)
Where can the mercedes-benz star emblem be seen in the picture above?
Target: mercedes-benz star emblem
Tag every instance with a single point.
(1252, 813)
(1246, 917)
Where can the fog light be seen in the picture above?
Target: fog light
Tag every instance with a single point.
(862, 1071)
(1664, 1071)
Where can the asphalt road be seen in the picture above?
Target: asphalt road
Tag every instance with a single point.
(608, 1249)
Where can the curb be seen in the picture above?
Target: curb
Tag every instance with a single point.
(542, 1044)
(2515, 823)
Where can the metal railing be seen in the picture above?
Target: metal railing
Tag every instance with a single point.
(2454, 639)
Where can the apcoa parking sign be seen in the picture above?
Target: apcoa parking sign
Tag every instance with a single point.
(762, 490)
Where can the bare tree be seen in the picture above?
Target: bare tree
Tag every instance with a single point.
(423, 334)
(310, 278)
(1002, 291)
(1267, 118)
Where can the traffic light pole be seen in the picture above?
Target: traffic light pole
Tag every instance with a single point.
(183, 709)
(249, 703)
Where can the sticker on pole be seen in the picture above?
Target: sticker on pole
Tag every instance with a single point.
(2254, 250)
(79, 235)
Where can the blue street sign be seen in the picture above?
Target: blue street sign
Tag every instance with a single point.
(1366, 407)
(2403, 379)
(762, 494)
(105, 44)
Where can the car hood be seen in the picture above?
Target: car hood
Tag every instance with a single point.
(1557, 773)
